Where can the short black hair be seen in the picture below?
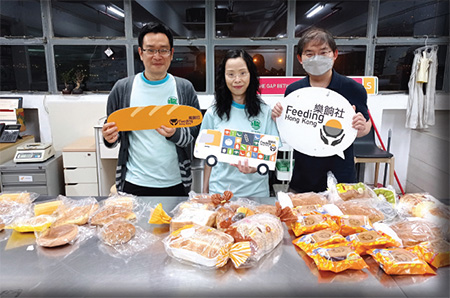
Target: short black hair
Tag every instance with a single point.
(155, 28)
(318, 34)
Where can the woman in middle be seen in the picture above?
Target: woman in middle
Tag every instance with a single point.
(237, 106)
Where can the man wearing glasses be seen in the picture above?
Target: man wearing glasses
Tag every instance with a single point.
(153, 162)
(317, 52)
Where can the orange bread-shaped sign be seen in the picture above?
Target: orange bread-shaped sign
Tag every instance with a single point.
(152, 117)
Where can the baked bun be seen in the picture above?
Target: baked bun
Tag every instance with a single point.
(307, 198)
(125, 202)
(271, 209)
(111, 212)
(414, 232)
(2, 226)
(322, 235)
(20, 198)
(118, 231)
(356, 208)
(57, 236)
(78, 215)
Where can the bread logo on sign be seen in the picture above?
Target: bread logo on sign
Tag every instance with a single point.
(152, 117)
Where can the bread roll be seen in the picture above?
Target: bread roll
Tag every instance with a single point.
(413, 232)
(110, 212)
(78, 215)
(358, 208)
(118, 231)
(57, 236)
(307, 198)
(152, 117)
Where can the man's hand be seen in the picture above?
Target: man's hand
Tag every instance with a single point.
(244, 168)
(110, 132)
(276, 111)
(360, 124)
(166, 131)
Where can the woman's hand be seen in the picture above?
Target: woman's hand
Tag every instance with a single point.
(166, 131)
(244, 168)
(110, 132)
(276, 111)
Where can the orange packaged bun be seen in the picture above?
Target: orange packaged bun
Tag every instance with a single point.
(400, 261)
(337, 258)
(152, 117)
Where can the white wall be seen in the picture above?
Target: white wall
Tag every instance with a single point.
(64, 119)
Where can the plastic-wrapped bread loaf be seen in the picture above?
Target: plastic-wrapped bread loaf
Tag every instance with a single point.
(200, 245)
(263, 231)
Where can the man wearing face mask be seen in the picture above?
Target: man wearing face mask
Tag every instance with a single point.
(317, 52)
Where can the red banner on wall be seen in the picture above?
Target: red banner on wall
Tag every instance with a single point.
(277, 85)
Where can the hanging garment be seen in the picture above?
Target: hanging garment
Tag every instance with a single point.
(420, 108)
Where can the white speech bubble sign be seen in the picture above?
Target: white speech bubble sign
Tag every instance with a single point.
(317, 122)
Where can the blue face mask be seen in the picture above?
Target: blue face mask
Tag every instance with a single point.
(318, 65)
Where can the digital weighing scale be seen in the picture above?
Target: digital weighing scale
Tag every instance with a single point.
(34, 152)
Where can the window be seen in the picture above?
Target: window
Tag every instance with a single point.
(90, 65)
(393, 66)
(186, 19)
(251, 18)
(341, 18)
(269, 61)
(88, 18)
(20, 18)
(22, 68)
(413, 18)
(375, 37)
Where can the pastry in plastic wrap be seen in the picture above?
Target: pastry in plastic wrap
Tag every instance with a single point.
(400, 261)
(354, 191)
(358, 207)
(189, 216)
(351, 224)
(414, 231)
(18, 197)
(127, 202)
(318, 239)
(110, 212)
(337, 258)
(73, 211)
(367, 240)
(57, 236)
(262, 231)
(425, 206)
(31, 224)
(200, 245)
(118, 231)
(435, 253)
(308, 198)
(312, 223)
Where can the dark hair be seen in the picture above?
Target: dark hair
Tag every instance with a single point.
(223, 95)
(316, 34)
(155, 28)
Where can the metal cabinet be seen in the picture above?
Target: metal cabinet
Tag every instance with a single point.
(45, 178)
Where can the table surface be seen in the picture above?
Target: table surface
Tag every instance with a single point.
(91, 268)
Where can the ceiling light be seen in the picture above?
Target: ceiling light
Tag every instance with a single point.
(313, 11)
(116, 11)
